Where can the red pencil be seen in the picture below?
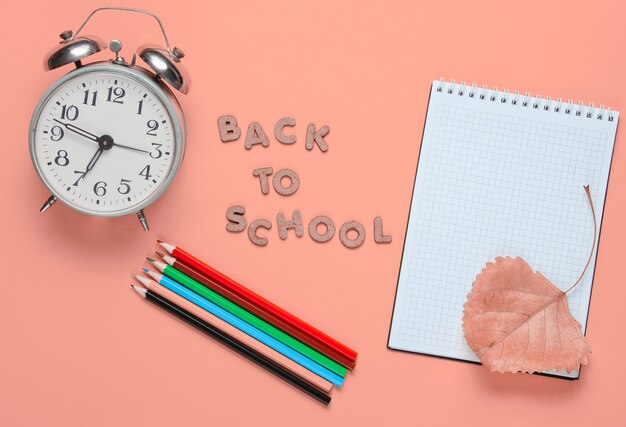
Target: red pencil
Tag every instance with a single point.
(268, 317)
(257, 300)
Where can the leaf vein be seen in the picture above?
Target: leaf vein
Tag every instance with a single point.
(527, 342)
(503, 311)
(532, 315)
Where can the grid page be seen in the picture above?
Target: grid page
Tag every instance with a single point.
(497, 178)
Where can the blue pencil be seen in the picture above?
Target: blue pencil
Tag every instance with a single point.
(245, 327)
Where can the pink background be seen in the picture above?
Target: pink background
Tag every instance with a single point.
(79, 348)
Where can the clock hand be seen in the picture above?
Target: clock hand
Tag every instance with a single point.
(90, 166)
(95, 138)
(131, 148)
(93, 160)
(79, 131)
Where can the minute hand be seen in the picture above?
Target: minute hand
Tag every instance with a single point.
(90, 166)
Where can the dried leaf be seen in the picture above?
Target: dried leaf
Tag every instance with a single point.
(517, 320)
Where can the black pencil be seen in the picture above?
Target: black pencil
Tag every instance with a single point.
(232, 343)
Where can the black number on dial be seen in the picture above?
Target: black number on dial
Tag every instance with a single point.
(69, 112)
(116, 94)
(153, 125)
(124, 188)
(94, 95)
(82, 175)
(158, 153)
(145, 172)
(100, 189)
(61, 158)
(56, 133)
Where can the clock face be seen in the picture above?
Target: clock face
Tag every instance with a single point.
(107, 140)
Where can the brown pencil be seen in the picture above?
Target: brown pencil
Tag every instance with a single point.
(268, 317)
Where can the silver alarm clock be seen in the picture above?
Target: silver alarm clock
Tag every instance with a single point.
(108, 137)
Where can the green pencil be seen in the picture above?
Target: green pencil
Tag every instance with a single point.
(248, 317)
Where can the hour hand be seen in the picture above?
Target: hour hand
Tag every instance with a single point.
(79, 131)
(104, 141)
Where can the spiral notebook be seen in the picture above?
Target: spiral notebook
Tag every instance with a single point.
(499, 174)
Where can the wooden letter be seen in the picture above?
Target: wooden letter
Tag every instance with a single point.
(278, 184)
(254, 238)
(229, 131)
(343, 234)
(278, 130)
(330, 229)
(316, 137)
(236, 219)
(284, 225)
(263, 173)
(256, 135)
(379, 237)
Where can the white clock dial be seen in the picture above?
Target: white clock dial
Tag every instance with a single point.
(107, 141)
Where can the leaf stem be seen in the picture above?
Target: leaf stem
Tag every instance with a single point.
(593, 245)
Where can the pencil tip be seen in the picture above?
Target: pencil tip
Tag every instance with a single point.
(145, 270)
(159, 241)
(169, 248)
(150, 259)
(141, 291)
(143, 280)
(159, 254)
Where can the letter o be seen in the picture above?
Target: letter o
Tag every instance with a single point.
(278, 185)
(343, 234)
(330, 229)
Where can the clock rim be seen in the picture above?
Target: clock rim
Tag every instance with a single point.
(160, 90)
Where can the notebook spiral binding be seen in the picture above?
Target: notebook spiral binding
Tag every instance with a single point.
(525, 100)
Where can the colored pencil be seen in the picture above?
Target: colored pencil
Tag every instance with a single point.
(254, 309)
(232, 343)
(218, 323)
(248, 317)
(245, 327)
(256, 299)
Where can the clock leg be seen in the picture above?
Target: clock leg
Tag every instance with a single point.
(143, 220)
(51, 201)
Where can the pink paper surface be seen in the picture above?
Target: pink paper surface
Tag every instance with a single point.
(77, 348)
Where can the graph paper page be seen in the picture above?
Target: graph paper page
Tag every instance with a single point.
(496, 179)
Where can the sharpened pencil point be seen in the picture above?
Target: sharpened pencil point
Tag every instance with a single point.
(150, 259)
(141, 291)
(159, 254)
(143, 280)
(169, 248)
(169, 259)
(159, 241)
(145, 270)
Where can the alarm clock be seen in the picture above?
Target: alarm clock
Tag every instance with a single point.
(108, 137)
